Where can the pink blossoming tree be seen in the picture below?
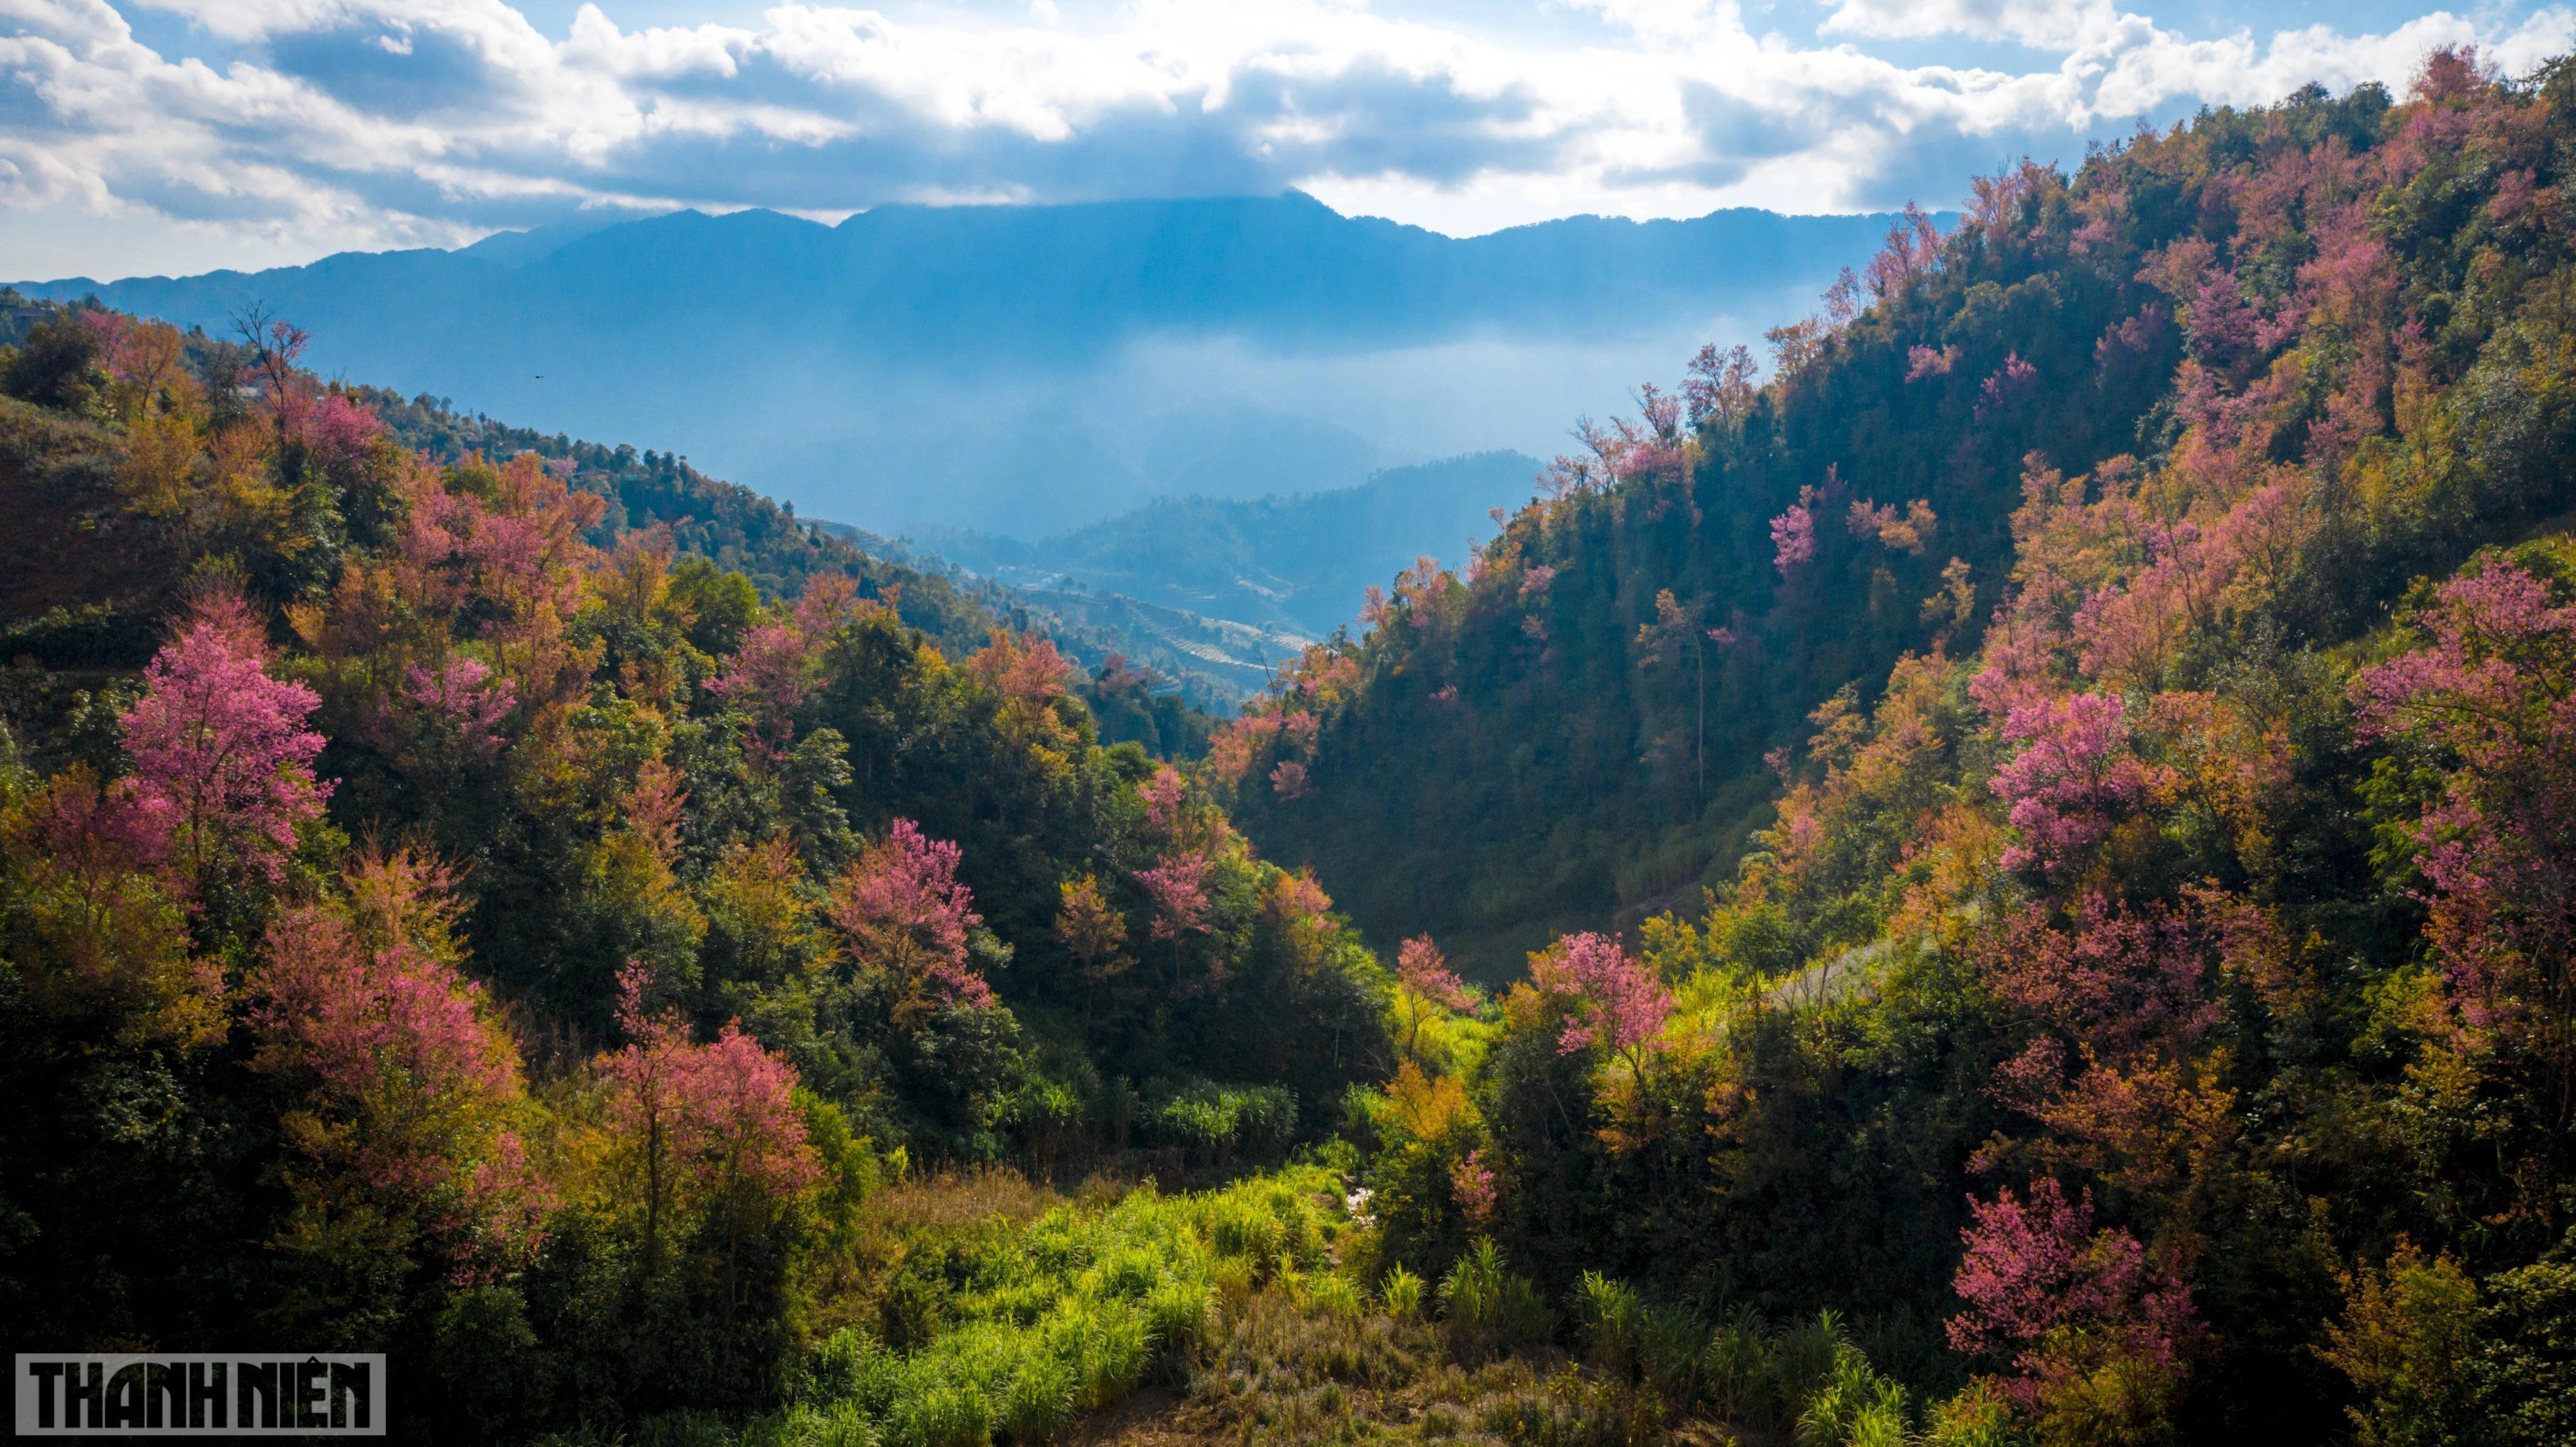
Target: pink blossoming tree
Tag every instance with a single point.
(712, 1127)
(901, 910)
(1429, 986)
(2060, 1300)
(222, 759)
(1177, 886)
(465, 699)
(410, 1085)
(2073, 779)
(2492, 697)
(1793, 539)
(1471, 1182)
(1614, 1001)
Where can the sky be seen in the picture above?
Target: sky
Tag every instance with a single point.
(142, 137)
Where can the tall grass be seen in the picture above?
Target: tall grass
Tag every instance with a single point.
(1072, 1312)
(1021, 1312)
(1488, 1309)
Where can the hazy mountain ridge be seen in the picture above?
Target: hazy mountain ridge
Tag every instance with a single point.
(1295, 566)
(1029, 370)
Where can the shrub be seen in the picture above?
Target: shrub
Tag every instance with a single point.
(1670, 1343)
(1613, 1321)
(1214, 1123)
(1401, 1292)
(1489, 1309)
(1853, 1406)
(1735, 1370)
(1176, 1315)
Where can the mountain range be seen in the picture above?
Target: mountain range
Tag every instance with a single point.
(1026, 371)
(1294, 566)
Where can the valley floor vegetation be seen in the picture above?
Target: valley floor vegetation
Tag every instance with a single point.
(663, 1006)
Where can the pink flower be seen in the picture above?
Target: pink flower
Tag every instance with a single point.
(2010, 379)
(339, 433)
(1419, 966)
(768, 676)
(1162, 794)
(1288, 780)
(1374, 612)
(465, 697)
(2492, 696)
(1719, 385)
(1025, 670)
(1793, 539)
(721, 1116)
(2121, 978)
(1616, 1001)
(2071, 780)
(900, 909)
(1178, 888)
(222, 760)
(2031, 1269)
(407, 1055)
(1471, 1181)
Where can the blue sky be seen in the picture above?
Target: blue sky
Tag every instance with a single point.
(181, 135)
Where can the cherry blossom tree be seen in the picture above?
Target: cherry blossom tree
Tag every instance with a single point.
(1429, 984)
(2118, 978)
(338, 433)
(2009, 381)
(1026, 670)
(1719, 386)
(410, 1086)
(2073, 779)
(713, 1126)
(1922, 362)
(1471, 1182)
(1178, 888)
(768, 676)
(1163, 794)
(1422, 969)
(465, 698)
(901, 910)
(222, 759)
(2491, 698)
(1793, 539)
(1615, 1001)
(2059, 1299)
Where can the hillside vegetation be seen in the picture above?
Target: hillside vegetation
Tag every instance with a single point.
(2134, 631)
(2144, 635)
(1574, 730)
(437, 916)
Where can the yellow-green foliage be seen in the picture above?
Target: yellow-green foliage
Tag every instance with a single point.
(1075, 1310)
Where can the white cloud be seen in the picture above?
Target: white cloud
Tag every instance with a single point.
(2041, 24)
(254, 129)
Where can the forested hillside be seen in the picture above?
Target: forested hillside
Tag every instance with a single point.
(2142, 624)
(437, 919)
(1573, 731)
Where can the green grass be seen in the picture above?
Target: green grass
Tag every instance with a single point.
(1021, 1315)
